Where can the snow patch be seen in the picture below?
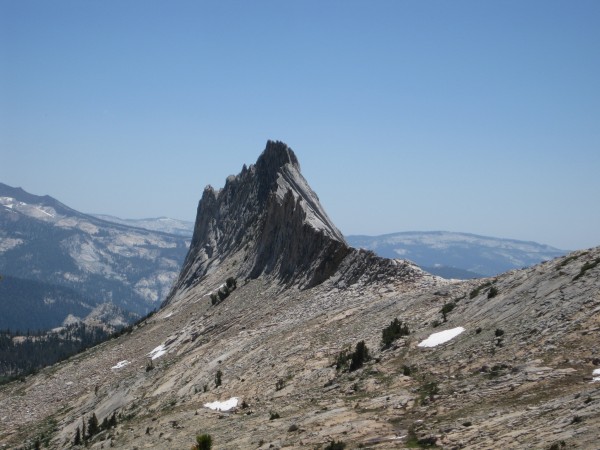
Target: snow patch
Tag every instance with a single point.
(121, 364)
(223, 406)
(441, 337)
(596, 372)
(157, 352)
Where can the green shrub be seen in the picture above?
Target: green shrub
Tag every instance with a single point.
(342, 359)
(280, 384)
(492, 292)
(203, 442)
(231, 283)
(218, 377)
(393, 331)
(274, 415)
(446, 309)
(333, 445)
(429, 390)
(223, 292)
(587, 266)
(475, 292)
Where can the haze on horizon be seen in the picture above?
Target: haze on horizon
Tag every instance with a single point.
(463, 116)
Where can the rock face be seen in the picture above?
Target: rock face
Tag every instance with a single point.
(272, 221)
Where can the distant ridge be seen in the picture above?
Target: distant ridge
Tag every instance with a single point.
(94, 261)
(479, 255)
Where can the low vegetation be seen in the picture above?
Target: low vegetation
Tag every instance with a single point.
(223, 292)
(392, 332)
(353, 361)
(91, 427)
(475, 292)
(587, 266)
(203, 442)
(446, 309)
(22, 355)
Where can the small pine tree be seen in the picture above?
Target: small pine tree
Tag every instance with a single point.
(203, 442)
(93, 427)
(393, 331)
(360, 355)
(446, 309)
(342, 360)
(333, 445)
(77, 440)
(112, 422)
(223, 293)
(218, 377)
(231, 283)
(83, 429)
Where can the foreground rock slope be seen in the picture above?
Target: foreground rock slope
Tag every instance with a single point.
(520, 375)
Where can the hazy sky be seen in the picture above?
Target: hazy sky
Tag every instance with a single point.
(473, 116)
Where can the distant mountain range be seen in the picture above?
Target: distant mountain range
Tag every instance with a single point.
(78, 262)
(457, 255)
(443, 253)
(162, 224)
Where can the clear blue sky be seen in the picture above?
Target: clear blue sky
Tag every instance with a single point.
(473, 116)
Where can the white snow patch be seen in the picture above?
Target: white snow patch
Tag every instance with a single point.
(168, 315)
(157, 352)
(597, 373)
(441, 337)
(223, 406)
(121, 364)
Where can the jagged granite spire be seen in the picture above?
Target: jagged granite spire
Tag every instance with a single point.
(272, 219)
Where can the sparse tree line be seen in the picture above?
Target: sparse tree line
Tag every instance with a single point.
(92, 427)
(21, 355)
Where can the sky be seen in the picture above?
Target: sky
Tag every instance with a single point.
(470, 116)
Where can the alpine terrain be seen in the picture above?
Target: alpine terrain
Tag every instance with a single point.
(278, 334)
(57, 262)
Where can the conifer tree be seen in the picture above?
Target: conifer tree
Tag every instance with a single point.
(77, 440)
(93, 427)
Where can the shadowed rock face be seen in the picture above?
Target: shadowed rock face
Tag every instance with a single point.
(269, 214)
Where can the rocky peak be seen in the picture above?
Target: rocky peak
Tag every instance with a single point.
(273, 221)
